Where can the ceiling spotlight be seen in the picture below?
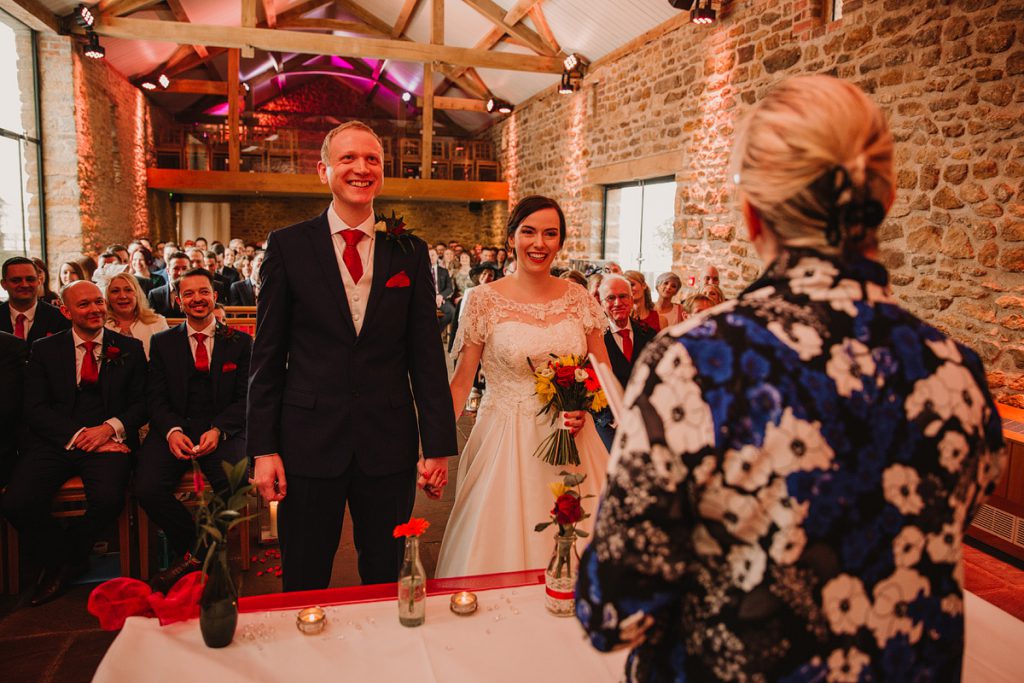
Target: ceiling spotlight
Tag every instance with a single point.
(702, 15)
(163, 81)
(93, 49)
(576, 62)
(681, 4)
(500, 106)
(83, 16)
(406, 96)
(148, 85)
(566, 87)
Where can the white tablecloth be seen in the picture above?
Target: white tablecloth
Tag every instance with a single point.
(510, 638)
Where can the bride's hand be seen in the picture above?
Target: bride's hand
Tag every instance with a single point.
(574, 420)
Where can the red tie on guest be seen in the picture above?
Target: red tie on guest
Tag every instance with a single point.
(351, 254)
(19, 325)
(627, 344)
(90, 371)
(202, 358)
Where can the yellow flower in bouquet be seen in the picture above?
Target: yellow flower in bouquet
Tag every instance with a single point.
(565, 384)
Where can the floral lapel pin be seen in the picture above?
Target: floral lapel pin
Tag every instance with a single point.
(393, 230)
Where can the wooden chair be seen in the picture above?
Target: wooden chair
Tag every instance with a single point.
(185, 489)
(72, 493)
(241, 311)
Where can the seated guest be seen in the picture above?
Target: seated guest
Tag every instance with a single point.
(70, 271)
(45, 293)
(88, 264)
(613, 267)
(224, 270)
(796, 469)
(625, 339)
(669, 312)
(141, 262)
(128, 310)
(444, 290)
(84, 405)
(121, 252)
(574, 275)
(21, 314)
(201, 244)
(695, 303)
(161, 299)
(109, 258)
(243, 292)
(594, 285)
(643, 306)
(13, 354)
(198, 379)
(220, 313)
(211, 262)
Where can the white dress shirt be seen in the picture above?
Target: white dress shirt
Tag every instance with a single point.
(97, 352)
(141, 331)
(357, 294)
(30, 316)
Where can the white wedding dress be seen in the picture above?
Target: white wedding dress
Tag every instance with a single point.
(502, 490)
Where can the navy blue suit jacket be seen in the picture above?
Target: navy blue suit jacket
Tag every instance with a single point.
(50, 387)
(322, 396)
(170, 360)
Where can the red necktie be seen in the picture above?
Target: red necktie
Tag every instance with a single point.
(202, 358)
(627, 344)
(19, 326)
(90, 372)
(351, 255)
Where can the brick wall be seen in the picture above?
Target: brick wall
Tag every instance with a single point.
(948, 75)
(253, 219)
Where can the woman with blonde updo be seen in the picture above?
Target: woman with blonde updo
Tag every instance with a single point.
(794, 473)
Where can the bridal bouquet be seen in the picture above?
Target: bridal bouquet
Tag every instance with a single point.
(563, 384)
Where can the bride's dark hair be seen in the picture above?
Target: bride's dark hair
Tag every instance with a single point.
(530, 205)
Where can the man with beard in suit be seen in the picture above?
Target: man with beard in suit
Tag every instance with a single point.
(244, 292)
(444, 289)
(22, 315)
(625, 339)
(84, 404)
(198, 380)
(348, 375)
(162, 299)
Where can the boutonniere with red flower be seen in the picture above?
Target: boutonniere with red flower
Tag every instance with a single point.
(224, 332)
(393, 230)
(113, 356)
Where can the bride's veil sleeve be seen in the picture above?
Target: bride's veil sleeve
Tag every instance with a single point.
(591, 313)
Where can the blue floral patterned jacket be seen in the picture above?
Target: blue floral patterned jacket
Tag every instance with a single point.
(788, 491)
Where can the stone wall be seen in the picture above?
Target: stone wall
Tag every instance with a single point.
(948, 75)
(115, 145)
(253, 219)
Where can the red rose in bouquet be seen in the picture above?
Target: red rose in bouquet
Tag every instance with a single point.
(565, 375)
(567, 509)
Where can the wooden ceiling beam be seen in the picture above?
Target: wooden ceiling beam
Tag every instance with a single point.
(269, 13)
(197, 87)
(330, 25)
(295, 41)
(33, 14)
(519, 11)
(456, 104)
(119, 8)
(408, 9)
(181, 15)
(541, 22)
(494, 13)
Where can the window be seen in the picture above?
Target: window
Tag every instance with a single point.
(638, 225)
(834, 10)
(21, 223)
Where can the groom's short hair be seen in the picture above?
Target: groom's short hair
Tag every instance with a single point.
(326, 147)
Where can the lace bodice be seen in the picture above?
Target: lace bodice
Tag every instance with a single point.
(511, 332)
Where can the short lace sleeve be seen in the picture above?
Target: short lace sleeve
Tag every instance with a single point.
(477, 319)
(591, 314)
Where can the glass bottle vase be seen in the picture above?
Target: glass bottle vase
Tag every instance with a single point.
(560, 577)
(218, 605)
(412, 586)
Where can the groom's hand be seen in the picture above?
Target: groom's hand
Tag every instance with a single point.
(433, 476)
(268, 477)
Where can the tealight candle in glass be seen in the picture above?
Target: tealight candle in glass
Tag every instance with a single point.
(311, 620)
(463, 603)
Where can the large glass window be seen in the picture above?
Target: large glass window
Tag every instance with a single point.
(21, 225)
(638, 225)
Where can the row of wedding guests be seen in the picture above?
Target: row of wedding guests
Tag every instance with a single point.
(83, 386)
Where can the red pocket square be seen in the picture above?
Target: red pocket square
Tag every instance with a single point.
(229, 367)
(398, 280)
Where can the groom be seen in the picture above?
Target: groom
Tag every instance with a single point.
(348, 376)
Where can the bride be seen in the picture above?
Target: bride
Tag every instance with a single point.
(502, 490)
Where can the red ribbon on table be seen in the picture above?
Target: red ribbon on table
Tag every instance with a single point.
(559, 595)
(114, 601)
